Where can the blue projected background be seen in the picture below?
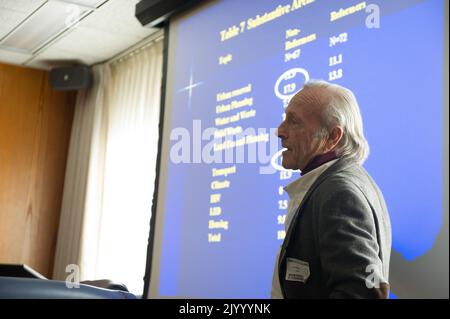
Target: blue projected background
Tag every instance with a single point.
(220, 240)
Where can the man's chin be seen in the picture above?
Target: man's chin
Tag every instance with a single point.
(287, 165)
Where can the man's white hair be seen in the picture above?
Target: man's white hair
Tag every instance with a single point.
(342, 110)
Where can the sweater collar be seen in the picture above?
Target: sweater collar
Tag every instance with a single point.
(318, 160)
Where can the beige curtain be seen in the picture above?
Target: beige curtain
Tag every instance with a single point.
(110, 172)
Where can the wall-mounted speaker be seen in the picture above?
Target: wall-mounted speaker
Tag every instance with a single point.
(69, 78)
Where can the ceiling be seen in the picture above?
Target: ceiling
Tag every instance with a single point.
(45, 33)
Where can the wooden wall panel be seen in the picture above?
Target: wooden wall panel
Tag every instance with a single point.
(35, 125)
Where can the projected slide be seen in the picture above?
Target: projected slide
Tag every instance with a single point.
(233, 66)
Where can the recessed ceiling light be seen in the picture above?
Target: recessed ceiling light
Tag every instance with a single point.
(45, 24)
(86, 3)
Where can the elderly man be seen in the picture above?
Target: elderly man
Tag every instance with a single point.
(338, 238)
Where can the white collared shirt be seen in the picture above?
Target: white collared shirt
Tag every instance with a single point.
(296, 191)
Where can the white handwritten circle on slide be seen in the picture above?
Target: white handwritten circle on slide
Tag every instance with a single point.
(274, 159)
(289, 74)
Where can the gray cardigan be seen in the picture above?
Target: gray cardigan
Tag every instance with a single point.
(341, 234)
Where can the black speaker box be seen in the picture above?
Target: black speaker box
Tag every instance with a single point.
(71, 78)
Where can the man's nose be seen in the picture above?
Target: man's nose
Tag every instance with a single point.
(280, 132)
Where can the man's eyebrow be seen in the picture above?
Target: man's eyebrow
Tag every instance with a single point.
(290, 114)
(293, 115)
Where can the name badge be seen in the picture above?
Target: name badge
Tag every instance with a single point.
(297, 270)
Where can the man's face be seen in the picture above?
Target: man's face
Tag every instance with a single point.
(299, 131)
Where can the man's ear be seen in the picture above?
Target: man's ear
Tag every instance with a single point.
(335, 137)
